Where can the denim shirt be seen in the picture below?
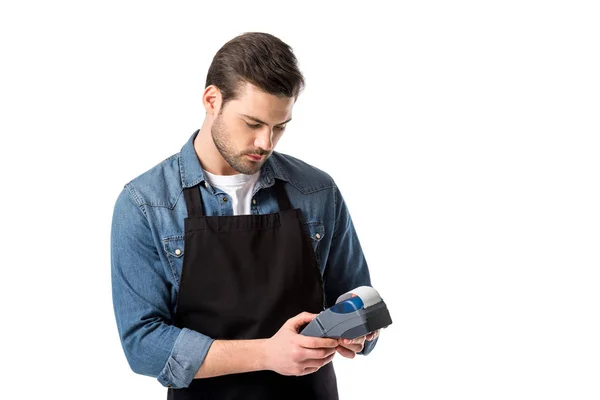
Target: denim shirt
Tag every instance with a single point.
(147, 251)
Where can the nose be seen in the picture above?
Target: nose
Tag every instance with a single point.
(264, 139)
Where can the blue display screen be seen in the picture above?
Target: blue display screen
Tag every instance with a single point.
(348, 306)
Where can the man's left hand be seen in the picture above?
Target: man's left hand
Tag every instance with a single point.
(348, 348)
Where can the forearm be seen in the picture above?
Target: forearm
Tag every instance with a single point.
(226, 357)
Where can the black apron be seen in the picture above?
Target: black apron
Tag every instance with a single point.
(243, 277)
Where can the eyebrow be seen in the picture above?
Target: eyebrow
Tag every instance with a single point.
(262, 122)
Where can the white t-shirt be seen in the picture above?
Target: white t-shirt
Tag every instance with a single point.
(239, 187)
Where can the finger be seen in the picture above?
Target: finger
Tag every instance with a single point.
(373, 335)
(318, 363)
(353, 347)
(301, 319)
(344, 352)
(309, 371)
(316, 343)
(358, 340)
(318, 354)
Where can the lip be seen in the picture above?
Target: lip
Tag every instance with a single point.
(255, 158)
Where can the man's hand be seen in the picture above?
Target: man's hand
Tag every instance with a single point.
(348, 348)
(373, 335)
(289, 353)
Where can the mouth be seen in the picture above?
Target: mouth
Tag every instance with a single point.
(254, 157)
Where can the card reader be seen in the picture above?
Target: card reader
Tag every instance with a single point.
(355, 313)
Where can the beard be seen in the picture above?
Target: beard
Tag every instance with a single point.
(238, 162)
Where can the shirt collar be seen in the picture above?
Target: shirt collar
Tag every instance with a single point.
(192, 174)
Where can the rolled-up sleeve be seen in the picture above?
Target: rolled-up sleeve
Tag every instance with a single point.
(346, 266)
(142, 303)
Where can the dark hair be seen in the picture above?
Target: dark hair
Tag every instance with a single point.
(260, 59)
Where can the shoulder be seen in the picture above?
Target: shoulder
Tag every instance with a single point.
(305, 177)
(160, 186)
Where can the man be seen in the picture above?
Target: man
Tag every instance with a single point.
(223, 252)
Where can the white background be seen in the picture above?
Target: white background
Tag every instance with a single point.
(463, 135)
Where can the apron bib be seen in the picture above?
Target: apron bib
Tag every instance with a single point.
(243, 277)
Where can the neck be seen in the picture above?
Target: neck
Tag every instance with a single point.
(210, 158)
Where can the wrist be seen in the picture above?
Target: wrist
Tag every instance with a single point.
(262, 354)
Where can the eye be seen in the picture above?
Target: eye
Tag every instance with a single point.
(280, 127)
(251, 126)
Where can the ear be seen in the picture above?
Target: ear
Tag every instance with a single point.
(212, 100)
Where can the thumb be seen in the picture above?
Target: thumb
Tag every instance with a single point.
(301, 319)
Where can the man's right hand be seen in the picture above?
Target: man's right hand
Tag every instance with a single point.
(290, 353)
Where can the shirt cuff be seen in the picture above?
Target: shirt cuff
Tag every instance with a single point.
(188, 353)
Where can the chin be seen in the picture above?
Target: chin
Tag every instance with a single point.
(246, 168)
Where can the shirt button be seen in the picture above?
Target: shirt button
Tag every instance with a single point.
(318, 236)
(177, 252)
(254, 201)
(224, 199)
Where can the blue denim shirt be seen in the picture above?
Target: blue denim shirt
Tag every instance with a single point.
(147, 250)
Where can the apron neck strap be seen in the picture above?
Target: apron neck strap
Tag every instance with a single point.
(193, 200)
(282, 198)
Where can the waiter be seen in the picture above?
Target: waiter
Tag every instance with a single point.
(222, 252)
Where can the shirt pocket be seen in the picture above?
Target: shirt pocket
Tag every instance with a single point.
(316, 231)
(174, 248)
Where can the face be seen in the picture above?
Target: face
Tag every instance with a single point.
(248, 128)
